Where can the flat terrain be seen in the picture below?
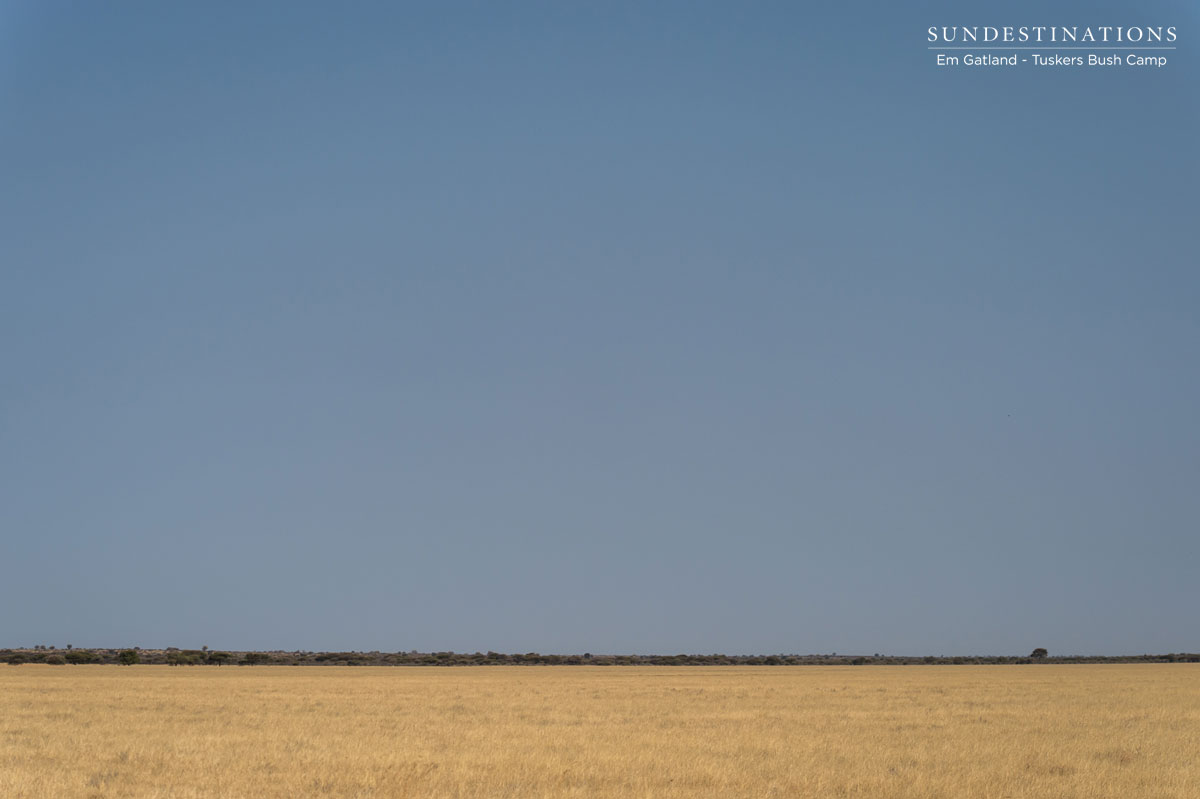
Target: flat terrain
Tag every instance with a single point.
(874, 731)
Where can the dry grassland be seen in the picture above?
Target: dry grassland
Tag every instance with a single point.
(942, 731)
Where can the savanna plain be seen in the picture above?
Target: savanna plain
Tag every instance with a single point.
(874, 731)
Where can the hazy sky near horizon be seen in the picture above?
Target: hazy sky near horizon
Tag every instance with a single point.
(616, 327)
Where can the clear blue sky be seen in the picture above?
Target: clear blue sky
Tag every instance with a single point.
(561, 327)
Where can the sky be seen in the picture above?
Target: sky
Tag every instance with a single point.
(679, 327)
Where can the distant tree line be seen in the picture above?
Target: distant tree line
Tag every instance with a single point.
(205, 657)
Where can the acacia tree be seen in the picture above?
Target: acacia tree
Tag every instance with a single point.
(1039, 653)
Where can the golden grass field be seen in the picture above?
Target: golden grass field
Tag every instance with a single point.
(870, 731)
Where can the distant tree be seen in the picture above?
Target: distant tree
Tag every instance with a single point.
(81, 656)
(69, 646)
(219, 658)
(56, 660)
(1039, 653)
(16, 659)
(128, 657)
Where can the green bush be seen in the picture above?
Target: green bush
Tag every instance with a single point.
(56, 660)
(128, 657)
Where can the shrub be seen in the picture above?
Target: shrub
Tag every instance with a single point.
(77, 656)
(128, 657)
(56, 660)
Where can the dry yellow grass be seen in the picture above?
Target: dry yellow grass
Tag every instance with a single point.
(971, 731)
